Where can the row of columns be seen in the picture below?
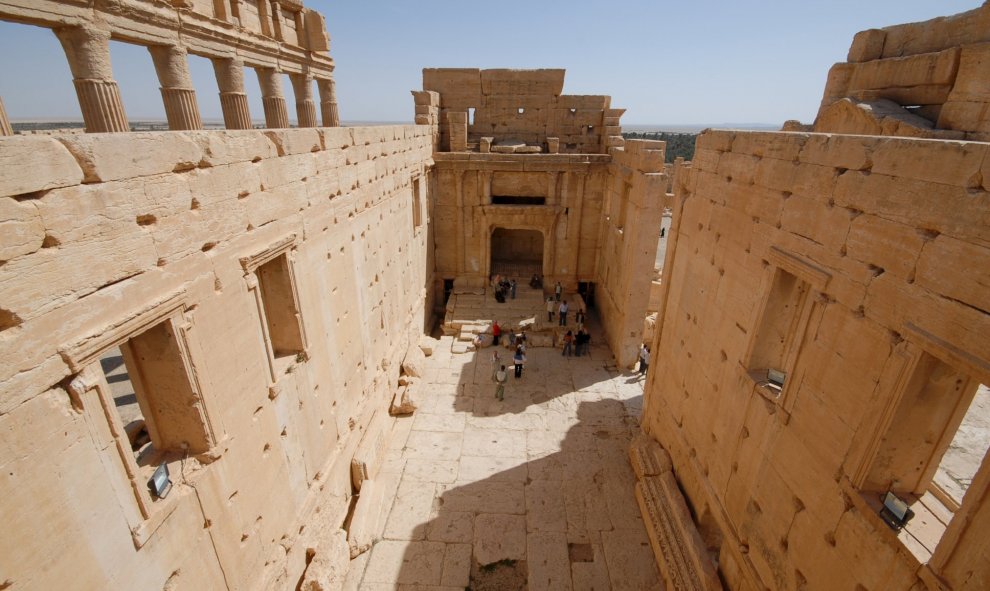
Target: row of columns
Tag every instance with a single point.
(88, 53)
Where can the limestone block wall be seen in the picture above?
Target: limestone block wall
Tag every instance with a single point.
(267, 285)
(938, 68)
(630, 229)
(526, 105)
(571, 188)
(853, 263)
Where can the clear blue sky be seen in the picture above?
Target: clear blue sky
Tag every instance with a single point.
(692, 61)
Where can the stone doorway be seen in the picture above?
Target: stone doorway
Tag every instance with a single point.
(517, 253)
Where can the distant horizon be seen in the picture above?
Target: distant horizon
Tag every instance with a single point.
(626, 127)
(687, 62)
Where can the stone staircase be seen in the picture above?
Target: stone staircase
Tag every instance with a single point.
(468, 318)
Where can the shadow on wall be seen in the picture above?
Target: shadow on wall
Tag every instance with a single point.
(530, 504)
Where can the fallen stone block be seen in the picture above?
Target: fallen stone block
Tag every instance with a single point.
(403, 403)
(371, 451)
(648, 458)
(412, 365)
(368, 519)
(328, 568)
(427, 345)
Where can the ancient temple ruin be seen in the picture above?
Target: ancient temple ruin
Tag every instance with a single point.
(216, 369)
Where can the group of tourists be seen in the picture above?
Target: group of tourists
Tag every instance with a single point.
(575, 344)
(503, 287)
(499, 373)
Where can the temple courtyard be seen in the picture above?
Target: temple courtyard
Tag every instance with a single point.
(534, 490)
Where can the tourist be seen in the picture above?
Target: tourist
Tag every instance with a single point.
(579, 342)
(563, 313)
(536, 282)
(568, 342)
(579, 318)
(556, 291)
(512, 339)
(549, 309)
(512, 288)
(496, 361)
(644, 359)
(499, 378)
(496, 332)
(519, 359)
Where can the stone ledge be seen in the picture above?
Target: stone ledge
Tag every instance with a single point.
(680, 552)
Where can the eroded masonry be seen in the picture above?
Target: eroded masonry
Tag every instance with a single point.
(205, 335)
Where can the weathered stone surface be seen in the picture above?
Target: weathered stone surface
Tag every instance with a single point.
(35, 164)
(368, 519)
(412, 365)
(328, 568)
(648, 458)
(680, 552)
(403, 402)
(370, 452)
(114, 157)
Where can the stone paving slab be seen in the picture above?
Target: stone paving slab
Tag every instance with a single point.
(540, 480)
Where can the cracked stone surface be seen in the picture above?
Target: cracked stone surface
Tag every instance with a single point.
(523, 481)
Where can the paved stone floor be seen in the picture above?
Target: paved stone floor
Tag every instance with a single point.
(535, 490)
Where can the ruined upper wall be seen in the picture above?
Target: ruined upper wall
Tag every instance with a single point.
(518, 105)
(916, 79)
(274, 38)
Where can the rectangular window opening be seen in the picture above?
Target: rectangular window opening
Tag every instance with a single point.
(517, 200)
(779, 331)
(154, 397)
(930, 453)
(281, 312)
(417, 204)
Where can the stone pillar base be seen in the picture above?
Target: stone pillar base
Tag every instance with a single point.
(276, 114)
(5, 128)
(181, 109)
(306, 111)
(102, 109)
(235, 110)
(329, 112)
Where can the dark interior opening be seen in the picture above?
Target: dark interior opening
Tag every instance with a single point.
(515, 200)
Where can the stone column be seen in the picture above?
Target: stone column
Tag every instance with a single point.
(276, 114)
(178, 92)
(233, 99)
(88, 53)
(5, 128)
(302, 87)
(328, 102)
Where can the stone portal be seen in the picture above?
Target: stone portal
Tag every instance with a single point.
(517, 253)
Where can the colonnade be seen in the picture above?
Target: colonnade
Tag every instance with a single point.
(88, 52)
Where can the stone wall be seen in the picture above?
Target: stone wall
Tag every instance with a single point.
(854, 264)
(630, 229)
(937, 70)
(572, 187)
(524, 105)
(273, 281)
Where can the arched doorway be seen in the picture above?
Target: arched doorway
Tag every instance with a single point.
(516, 253)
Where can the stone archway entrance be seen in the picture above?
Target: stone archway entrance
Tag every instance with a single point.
(516, 253)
